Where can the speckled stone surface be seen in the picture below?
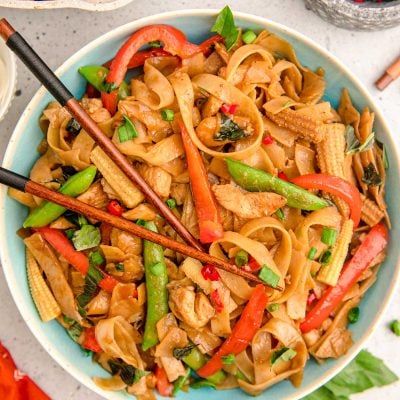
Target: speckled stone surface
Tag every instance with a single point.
(57, 34)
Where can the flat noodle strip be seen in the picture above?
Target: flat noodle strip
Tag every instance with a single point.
(225, 92)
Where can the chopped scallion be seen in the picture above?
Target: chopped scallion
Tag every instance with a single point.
(329, 236)
(96, 258)
(268, 276)
(312, 253)
(249, 36)
(229, 359)
(157, 269)
(282, 355)
(167, 114)
(325, 257)
(280, 214)
(395, 325)
(120, 267)
(241, 258)
(171, 203)
(127, 130)
(273, 307)
(155, 44)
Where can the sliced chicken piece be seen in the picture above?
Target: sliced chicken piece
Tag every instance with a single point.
(247, 205)
(95, 196)
(159, 179)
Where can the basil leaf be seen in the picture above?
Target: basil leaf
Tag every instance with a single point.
(75, 218)
(127, 130)
(230, 130)
(364, 372)
(139, 374)
(353, 144)
(86, 238)
(126, 372)
(371, 176)
(120, 267)
(92, 279)
(75, 331)
(182, 352)
(225, 26)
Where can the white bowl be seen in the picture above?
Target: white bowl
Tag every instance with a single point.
(8, 78)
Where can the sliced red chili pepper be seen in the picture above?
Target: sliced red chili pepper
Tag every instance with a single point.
(311, 298)
(253, 264)
(91, 91)
(89, 340)
(216, 300)
(336, 186)
(242, 333)
(209, 272)
(225, 108)
(283, 176)
(373, 244)
(115, 208)
(164, 387)
(268, 140)
(207, 45)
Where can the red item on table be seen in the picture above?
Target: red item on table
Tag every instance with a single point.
(14, 384)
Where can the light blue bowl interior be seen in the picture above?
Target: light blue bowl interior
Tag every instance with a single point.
(55, 339)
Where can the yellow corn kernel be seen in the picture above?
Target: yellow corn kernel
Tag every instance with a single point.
(329, 273)
(306, 127)
(44, 300)
(371, 214)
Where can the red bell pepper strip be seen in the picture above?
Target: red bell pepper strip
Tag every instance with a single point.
(373, 244)
(89, 340)
(15, 385)
(206, 46)
(164, 387)
(77, 259)
(242, 333)
(175, 43)
(206, 206)
(338, 187)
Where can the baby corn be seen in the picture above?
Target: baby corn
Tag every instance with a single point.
(306, 127)
(330, 157)
(44, 300)
(329, 273)
(371, 214)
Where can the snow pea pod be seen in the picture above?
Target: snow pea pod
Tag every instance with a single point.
(156, 287)
(256, 180)
(74, 186)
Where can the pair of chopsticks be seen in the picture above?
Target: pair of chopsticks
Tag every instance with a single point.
(391, 73)
(46, 76)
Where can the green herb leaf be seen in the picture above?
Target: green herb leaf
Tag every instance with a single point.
(364, 372)
(75, 331)
(171, 203)
(139, 374)
(353, 315)
(73, 126)
(371, 176)
(282, 355)
(86, 238)
(325, 257)
(109, 87)
(229, 130)
(269, 276)
(225, 26)
(155, 44)
(75, 218)
(180, 382)
(127, 130)
(228, 359)
(182, 352)
(202, 383)
(120, 267)
(126, 372)
(353, 144)
(88, 353)
(70, 233)
(68, 320)
(92, 279)
(395, 326)
(241, 258)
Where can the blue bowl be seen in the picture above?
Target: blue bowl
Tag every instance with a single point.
(20, 157)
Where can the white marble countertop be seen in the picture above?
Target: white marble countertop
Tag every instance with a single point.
(57, 34)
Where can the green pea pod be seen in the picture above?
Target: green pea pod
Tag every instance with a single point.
(196, 359)
(48, 212)
(256, 180)
(156, 287)
(96, 75)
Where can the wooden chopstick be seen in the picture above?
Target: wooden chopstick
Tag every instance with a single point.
(392, 72)
(54, 85)
(22, 183)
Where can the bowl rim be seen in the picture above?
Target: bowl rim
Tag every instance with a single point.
(10, 63)
(126, 29)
